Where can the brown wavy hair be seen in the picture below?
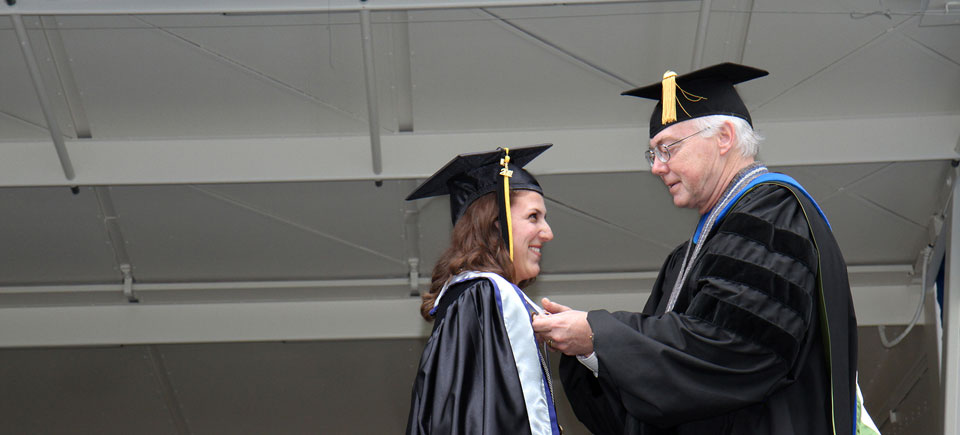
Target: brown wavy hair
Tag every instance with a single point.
(475, 244)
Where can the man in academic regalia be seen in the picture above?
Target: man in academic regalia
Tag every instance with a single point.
(750, 327)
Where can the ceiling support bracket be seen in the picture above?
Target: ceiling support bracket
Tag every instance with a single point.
(373, 108)
(414, 274)
(128, 283)
(45, 105)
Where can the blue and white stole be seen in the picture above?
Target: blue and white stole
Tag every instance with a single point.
(766, 177)
(515, 308)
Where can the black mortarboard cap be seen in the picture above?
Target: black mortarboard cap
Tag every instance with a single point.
(470, 176)
(707, 91)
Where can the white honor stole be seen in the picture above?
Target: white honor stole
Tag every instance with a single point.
(513, 303)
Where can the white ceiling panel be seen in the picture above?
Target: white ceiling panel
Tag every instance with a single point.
(828, 180)
(869, 235)
(466, 70)
(822, 33)
(619, 39)
(293, 391)
(82, 391)
(15, 128)
(585, 245)
(895, 188)
(335, 209)
(133, 85)
(633, 203)
(434, 230)
(20, 114)
(181, 233)
(727, 33)
(318, 55)
(940, 39)
(878, 211)
(899, 84)
(49, 235)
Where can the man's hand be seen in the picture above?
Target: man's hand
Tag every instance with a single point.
(564, 329)
(553, 307)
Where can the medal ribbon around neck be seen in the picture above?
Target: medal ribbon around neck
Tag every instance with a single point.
(739, 182)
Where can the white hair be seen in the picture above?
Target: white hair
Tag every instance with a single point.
(748, 140)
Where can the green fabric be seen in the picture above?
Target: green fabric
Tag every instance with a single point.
(865, 424)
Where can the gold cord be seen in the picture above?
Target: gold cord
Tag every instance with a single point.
(668, 113)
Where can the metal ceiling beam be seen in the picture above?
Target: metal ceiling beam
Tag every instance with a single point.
(45, 105)
(124, 7)
(147, 323)
(414, 155)
(567, 283)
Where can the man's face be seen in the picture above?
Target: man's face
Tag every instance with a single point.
(692, 172)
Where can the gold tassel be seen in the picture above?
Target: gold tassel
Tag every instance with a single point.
(669, 85)
(507, 173)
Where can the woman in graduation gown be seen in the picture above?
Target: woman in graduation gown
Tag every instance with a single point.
(481, 371)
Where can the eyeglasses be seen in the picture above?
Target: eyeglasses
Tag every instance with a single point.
(662, 152)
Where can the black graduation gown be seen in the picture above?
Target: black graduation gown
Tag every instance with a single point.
(742, 352)
(467, 381)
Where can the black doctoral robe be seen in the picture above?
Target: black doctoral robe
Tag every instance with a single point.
(468, 381)
(743, 351)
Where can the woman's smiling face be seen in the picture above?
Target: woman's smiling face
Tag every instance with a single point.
(530, 231)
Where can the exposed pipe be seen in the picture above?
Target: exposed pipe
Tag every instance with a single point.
(372, 282)
(373, 108)
(701, 34)
(97, 7)
(71, 93)
(402, 70)
(52, 123)
(882, 330)
(143, 287)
